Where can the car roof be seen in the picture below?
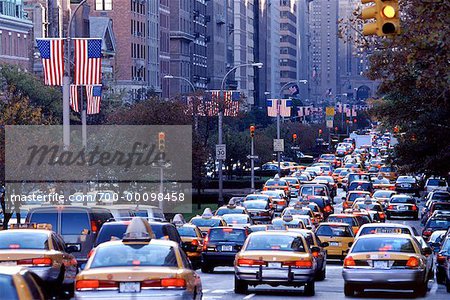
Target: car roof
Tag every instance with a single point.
(277, 232)
(389, 235)
(152, 241)
(334, 224)
(393, 225)
(11, 270)
(26, 230)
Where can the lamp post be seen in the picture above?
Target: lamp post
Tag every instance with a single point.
(220, 121)
(278, 118)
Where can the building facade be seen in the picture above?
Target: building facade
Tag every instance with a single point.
(288, 43)
(16, 41)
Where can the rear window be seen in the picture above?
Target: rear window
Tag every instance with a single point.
(141, 213)
(349, 220)
(108, 231)
(441, 206)
(23, 240)
(74, 222)
(227, 235)
(382, 194)
(255, 204)
(7, 288)
(436, 182)
(187, 231)
(274, 242)
(383, 244)
(134, 255)
(236, 219)
(365, 186)
(224, 211)
(378, 229)
(439, 224)
(353, 196)
(276, 183)
(403, 200)
(200, 222)
(45, 216)
(326, 230)
(440, 196)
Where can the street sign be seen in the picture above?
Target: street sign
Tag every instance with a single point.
(278, 145)
(330, 123)
(221, 152)
(252, 156)
(295, 148)
(329, 111)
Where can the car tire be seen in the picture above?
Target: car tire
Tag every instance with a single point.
(207, 269)
(310, 289)
(421, 290)
(322, 274)
(240, 286)
(440, 277)
(349, 290)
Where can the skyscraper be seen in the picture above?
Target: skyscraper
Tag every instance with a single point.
(288, 42)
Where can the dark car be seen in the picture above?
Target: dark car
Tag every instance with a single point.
(116, 229)
(435, 206)
(434, 224)
(402, 206)
(324, 204)
(443, 263)
(407, 185)
(77, 225)
(259, 210)
(221, 245)
(361, 185)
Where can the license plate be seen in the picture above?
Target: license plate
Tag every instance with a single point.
(227, 248)
(8, 263)
(406, 185)
(129, 287)
(274, 265)
(380, 264)
(403, 207)
(336, 244)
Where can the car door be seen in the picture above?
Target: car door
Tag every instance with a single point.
(69, 261)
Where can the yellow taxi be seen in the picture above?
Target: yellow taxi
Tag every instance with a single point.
(339, 237)
(351, 197)
(288, 221)
(350, 219)
(42, 251)
(277, 184)
(207, 220)
(230, 208)
(387, 261)
(388, 172)
(276, 258)
(192, 243)
(138, 267)
(18, 283)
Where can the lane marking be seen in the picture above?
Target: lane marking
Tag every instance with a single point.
(220, 291)
(205, 291)
(249, 297)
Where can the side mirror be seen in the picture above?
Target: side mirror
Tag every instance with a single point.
(82, 266)
(315, 251)
(204, 234)
(325, 244)
(70, 248)
(350, 244)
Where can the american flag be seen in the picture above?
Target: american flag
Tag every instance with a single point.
(211, 103)
(231, 107)
(52, 54)
(354, 113)
(74, 98)
(301, 111)
(281, 106)
(294, 90)
(88, 61)
(94, 96)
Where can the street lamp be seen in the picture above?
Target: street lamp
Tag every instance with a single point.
(222, 87)
(181, 78)
(278, 118)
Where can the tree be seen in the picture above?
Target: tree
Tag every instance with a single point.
(413, 70)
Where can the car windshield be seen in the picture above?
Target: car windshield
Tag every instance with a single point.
(136, 255)
(441, 206)
(439, 224)
(327, 156)
(334, 230)
(364, 186)
(108, 231)
(7, 288)
(187, 231)
(353, 177)
(407, 200)
(223, 211)
(255, 204)
(383, 244)
(381, 229)
(406, 179)
(291, 180)
(370, 206)
(227, 235)
(236, 219)
(385, 169)
(353, 196)
(349, 220)
(436, 182)
(276, 183)
(324, 178)
(204, 222)
(256, 197)
(275, 242)
(23, 240)
(382, 194)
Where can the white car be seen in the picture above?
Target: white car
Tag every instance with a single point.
(434, 184)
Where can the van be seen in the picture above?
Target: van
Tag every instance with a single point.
(78, 225)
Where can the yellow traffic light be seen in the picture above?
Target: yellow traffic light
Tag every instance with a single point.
(252, 131)
(385, 17)
(162, 142)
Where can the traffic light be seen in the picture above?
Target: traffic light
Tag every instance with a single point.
(336, 129)
(320, 132)
(386, 17)
(162, 142)
(355, 121)
(252, 131)
(294, 137)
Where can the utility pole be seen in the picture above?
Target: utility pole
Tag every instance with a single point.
(252, 157)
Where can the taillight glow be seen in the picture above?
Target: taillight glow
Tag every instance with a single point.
(349, 262)
(194, 243)
(440, 258)
(427, 232)
(87, 284)
(94, 226)
(412, 262)
(304, 264)
(45, 261)
(391, 207)
(250, 262)
(173, 282)
(414, 207)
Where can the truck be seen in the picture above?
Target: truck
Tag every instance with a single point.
(361, 140)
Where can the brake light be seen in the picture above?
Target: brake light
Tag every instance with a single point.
(327, 208)
(440, 258)
(345, 205)
(391, 207)
(414, 208)
(173, 282)
(194, 243)
(95, 284)
(151, 283)
(382, 216)
(94, 227)
(349, 262)
(282, 202)
(45, 261)
(303, 264)
(205, 243)
(250, 262)
(427, 232)
(412, 262)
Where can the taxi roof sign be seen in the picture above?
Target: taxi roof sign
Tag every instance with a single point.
(207, 213)
(178, 220)
(44, 226)
(231, 203)
(139, 230)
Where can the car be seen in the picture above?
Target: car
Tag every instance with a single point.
(388, 172)
(345, 218)
(19, 283)
(42, 251)
(290, 221)
(276, 258)
(237, 220)
(435, 223)
(402, 206)
(151, 213)
(436, 239)
(434, 184)
(326, 208)
(407, 185)
(435, 206)
(342, 176)
(192, 243)
(397, 261)
(278, 199)
(352, 196)
(294, 184)
(138, 267)
(78, 225)
(230, 209)
(439, 196)
(370, 206)
(339, 237)
(386, 228)
(260, 211)
(443, 263)
(382, 183)
(331, 159)
(221, 245)
(329, 182)
(360, 185)
(315, 190)
(207, 220)
(336, 174)
(277, 184)
(257, 197)
(383, 196)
